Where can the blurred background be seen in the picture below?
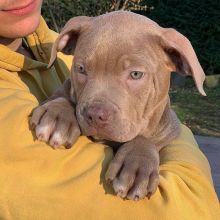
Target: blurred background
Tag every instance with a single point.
(198, 20)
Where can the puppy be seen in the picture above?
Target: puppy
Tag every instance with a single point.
(118, 92)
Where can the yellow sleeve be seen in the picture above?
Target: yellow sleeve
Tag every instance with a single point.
(40, 183)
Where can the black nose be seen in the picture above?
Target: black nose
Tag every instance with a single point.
(96, 115)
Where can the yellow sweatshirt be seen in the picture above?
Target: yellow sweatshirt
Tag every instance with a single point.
(39, 183)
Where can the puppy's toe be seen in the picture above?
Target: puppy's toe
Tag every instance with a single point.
(153, 183)
(124, 181)
(43, 132)
(56, 140)
(37, 114)
(121, 189)
(145, 185)
(45, 127)
(112, 173)
(114, 168)
(60, 134)
(139, 189)
(74, 133)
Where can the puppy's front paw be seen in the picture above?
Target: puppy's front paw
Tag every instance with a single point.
(134, 171)
(55, 122)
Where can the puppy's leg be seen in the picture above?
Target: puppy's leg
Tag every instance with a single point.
(134, 171)
(55, 121)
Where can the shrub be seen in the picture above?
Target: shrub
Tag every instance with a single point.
(58, 12)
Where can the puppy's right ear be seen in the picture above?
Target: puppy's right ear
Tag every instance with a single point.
(66, 41)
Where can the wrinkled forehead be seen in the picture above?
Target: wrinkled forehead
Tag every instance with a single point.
(118, 39)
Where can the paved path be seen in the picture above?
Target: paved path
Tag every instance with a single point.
(211, 148)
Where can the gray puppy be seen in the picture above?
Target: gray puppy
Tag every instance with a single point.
(118, 91)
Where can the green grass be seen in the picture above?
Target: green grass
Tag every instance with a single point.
(200, 114)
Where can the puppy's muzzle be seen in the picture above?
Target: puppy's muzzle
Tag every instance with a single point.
(102, 120)
(98, 115)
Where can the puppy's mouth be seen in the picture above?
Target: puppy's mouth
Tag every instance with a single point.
(97, 139)
(118, 131)
(98, 134)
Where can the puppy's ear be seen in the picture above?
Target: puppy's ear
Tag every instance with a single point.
(66, 41)
(183, 56)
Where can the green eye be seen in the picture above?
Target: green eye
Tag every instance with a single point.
(136, 75)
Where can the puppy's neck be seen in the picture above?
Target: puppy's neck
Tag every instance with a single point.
(163, 126)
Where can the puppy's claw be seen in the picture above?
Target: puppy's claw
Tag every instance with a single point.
(108, 181)
(40, 137)
(108, 177)
(149, 195)
(33, 125)
(136, 198)
(55, 144)
(68, 146)
(120, 193)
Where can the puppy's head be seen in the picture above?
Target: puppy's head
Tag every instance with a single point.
(121, 71)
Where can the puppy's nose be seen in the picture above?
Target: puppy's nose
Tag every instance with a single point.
(96, 115)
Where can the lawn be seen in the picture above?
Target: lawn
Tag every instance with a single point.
(201, 114)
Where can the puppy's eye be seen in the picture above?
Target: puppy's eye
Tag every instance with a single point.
(80, 69)
(136, 75)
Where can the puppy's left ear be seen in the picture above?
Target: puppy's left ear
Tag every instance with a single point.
(183, 56)
(66, 41)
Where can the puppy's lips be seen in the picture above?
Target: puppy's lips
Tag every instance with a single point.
(106, 134)
(89, 131)
(93, 132)
(96, 133)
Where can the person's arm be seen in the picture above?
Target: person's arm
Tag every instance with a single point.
(185, 179)
(38, 182)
